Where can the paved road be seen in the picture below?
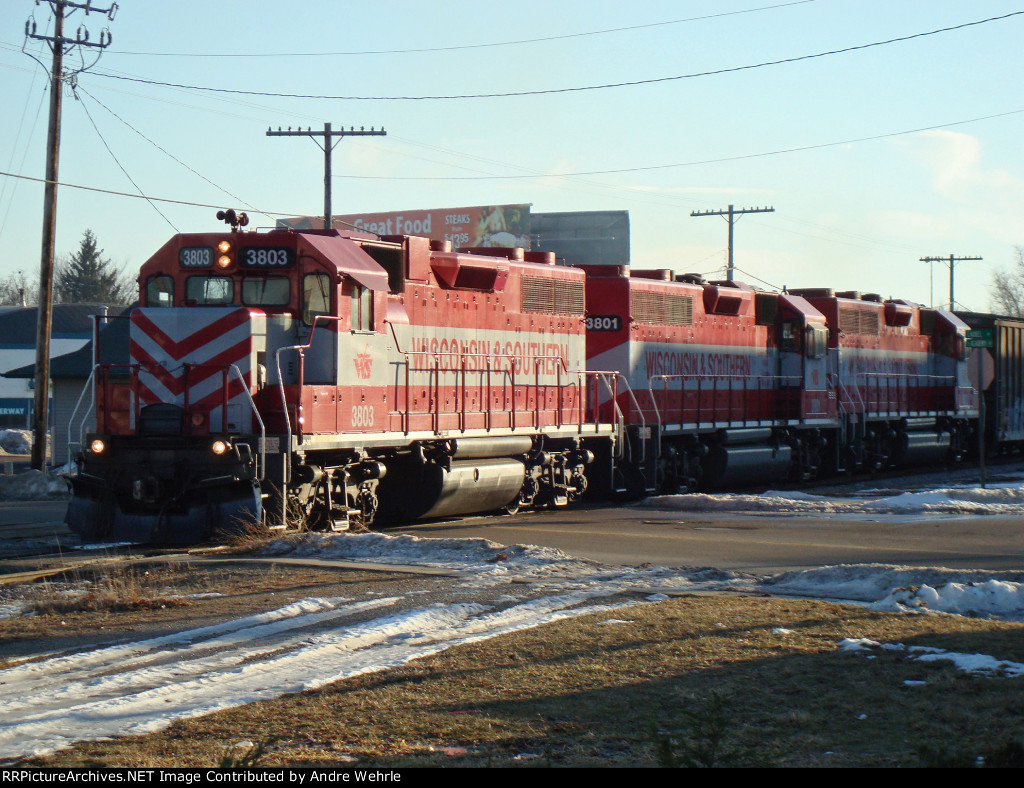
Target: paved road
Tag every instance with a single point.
(761, 543)
(43, 517)
(754, 543)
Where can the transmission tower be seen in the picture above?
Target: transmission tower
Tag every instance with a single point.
(59, 46)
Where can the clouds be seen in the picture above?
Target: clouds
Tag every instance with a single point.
(955, 162)
(989, 199)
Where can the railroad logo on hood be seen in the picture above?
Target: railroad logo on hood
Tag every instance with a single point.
(363, 362)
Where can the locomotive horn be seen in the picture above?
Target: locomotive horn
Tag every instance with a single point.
(236, 220)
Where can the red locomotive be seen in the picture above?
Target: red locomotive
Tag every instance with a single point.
(328, 378)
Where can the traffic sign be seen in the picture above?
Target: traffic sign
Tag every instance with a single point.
(981, 369)
(979, 337)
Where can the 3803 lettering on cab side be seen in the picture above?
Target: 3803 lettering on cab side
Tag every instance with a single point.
(326, 379)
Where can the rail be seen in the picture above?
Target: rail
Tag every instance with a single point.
(83, 424)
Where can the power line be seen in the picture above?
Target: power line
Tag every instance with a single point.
(724, 159)
(170, 155)
(24, 154)
(458, 47)
(114, 193)
(121, 166)
(578, 89)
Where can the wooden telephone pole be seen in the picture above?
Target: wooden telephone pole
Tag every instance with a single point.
(731, 213)
(952, 260)
(59, 45)
(327, 146)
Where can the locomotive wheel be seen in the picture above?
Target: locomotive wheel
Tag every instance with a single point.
(512, 507)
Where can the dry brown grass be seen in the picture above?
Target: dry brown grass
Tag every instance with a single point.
(117, 589)
(664, 685)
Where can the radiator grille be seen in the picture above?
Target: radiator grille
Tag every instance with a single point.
(553, 296)
(858, 321)
(662, 308)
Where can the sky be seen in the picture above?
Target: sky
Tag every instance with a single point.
(872, 158)
(485, 589)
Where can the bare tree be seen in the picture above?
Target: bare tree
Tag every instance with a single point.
(1008, 288)
(19, 290)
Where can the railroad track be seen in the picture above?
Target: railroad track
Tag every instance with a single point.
(46, 544)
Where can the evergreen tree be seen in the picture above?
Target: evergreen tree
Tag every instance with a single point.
(85, 277)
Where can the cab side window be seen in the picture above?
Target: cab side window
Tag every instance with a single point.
(790, 337)
(316, 297)
(362, 308)
(817, 342)
(160, 290)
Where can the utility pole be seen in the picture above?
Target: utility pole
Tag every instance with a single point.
(59, 45)
(327, 146)
(952, 260)
(731, 213)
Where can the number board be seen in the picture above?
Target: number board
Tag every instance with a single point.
(195, 257)
(264, 257)
(604, 323)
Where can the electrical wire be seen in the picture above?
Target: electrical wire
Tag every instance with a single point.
(121, 167)
(114, 193)
(24, 154)
(724, 159)
(762, 281)
(457, 47)
(234, 197)
(555, 91)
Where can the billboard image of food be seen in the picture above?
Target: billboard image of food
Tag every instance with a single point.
(489, 225)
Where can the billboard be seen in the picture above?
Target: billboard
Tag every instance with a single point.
(583, 237)
(483, 225)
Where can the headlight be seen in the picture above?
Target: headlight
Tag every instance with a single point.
(220, 447)
(97, 446)
(226, 258)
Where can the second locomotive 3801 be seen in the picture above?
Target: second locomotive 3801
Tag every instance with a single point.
(324, 379)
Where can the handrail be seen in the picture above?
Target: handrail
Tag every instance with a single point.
(71, 421)
(900, 398)
(613, 391)
(262, 462)
(286, 454)
(135, 369)
(458, 366)
(699, 391)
